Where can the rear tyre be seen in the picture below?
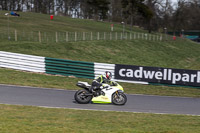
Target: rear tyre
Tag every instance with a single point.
(81, 98)
(119, 98)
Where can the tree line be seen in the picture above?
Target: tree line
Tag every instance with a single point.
(153, 15)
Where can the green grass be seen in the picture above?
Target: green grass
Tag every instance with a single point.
(41, 22)
(48, 81)
(18, 119)
(180, 54)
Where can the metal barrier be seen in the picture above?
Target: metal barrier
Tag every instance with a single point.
(22, 62)
(91, 70)
(69, 68)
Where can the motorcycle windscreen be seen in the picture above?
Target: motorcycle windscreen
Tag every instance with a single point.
(101, 99)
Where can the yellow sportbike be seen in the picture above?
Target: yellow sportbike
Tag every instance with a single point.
(106, 94)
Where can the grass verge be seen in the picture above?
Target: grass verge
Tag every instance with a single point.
(181, 54)
(14, 77)
(18, 119)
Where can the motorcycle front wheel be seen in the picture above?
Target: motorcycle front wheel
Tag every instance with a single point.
(119, 98)
(81, 97)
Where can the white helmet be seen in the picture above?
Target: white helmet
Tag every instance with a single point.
(108, 75)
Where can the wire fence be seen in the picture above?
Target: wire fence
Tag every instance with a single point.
(39, 36)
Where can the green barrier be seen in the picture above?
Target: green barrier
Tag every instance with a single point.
(76, 69)
(69, 68)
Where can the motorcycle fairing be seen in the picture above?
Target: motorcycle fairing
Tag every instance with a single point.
(101, 99)
(108, 97)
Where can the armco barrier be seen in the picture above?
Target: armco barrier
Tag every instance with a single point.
(57, 66)
(69, 68)
(121, 73)
(22, 62)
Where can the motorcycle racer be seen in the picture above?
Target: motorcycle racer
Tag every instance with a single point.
(97, 83)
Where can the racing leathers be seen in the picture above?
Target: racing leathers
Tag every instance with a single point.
(97, 83)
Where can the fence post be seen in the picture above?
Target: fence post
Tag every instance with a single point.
(116, 35)
(160, 37)
(32, 37)
(83, 36)
(67, 36)
(75, 36)
(146, 36)
(56, 37)
(121, 35)
(97, 35)
(39, 36)
(45, 36)
(91, 36)
(15, 35)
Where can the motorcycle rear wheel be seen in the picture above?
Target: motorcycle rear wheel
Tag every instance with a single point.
(119, 98)
(81, 98)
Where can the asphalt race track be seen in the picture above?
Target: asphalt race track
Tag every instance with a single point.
(45, 97)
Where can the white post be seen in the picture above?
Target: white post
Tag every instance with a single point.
(146, 36)
(45, 36)
(91, 36)
(97, 35)
(67, 37)
(84, 36)
(56, 37)
(39, 36)
(75, 36)
(160, 37)
(15, 35)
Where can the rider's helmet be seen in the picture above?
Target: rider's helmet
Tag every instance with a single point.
(108, 75)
